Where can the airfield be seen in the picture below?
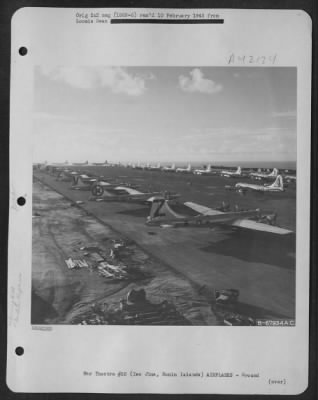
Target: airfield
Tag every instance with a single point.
(187, 263)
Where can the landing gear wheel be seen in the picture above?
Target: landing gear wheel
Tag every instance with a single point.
(97, 190)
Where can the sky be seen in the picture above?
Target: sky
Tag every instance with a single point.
(165, 114)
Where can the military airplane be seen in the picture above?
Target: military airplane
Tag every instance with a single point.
(127, 194)
(260, 176)
(290, 178)
(66, 175)
(82, 182)
(85, 182)
(184, 170)
(41, 166)
(169, 169)
(62, 164)
(102, 164)
(137, 166)
(277, 186)
(53, 170)
(205, 171)
(232, 174)
(78, 164)
(161, 214)
(154, 167)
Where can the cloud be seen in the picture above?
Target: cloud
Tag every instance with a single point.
(116, 79)
(197, 83)
(284, 114)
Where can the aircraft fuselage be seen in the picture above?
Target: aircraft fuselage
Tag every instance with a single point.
(202, 220)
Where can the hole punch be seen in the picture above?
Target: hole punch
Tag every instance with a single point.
(23, 51)
(19, 351)
(21, 201)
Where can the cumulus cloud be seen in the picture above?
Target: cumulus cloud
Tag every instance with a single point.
(116, 79)
(197, 83)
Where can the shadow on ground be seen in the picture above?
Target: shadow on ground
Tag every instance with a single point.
(41, 310)
(257, 247)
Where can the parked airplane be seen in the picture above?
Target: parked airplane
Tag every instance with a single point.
(85, 182)
(102, 164)
(232, 174)
(84, 163)
(290, 178)
(277, 186)
(207, 170)
(82, 182)
(123, 193)
(137, 166)
(66, 175)
(62, 164)
(260, 176)
(184, 170)
(161, 214)
(42, 166)
(52, 170)
(155, 167)
(169, 169)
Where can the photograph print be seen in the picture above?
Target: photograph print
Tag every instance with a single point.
(164, 196)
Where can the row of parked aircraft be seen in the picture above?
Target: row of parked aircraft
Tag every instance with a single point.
(238, 173)
(161, 211)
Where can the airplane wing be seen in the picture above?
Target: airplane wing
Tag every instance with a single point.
(129, 190)
(202, 209)
(241, 223)
(259, 226)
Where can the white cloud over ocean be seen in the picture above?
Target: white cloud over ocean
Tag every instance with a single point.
(197, 83)
(164, 114)
(116, 79)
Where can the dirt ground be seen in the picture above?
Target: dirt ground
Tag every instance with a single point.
(61, 295)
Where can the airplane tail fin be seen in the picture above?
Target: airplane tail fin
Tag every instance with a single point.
(278, 183)
(160, 209)
(173, 166)
(239, 170)
(274, 172)
(156, 205)
(189, 167)
(74, 180)
(209, 168)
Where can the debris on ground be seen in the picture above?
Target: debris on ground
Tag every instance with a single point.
(238, 320)
(226, 307)
(109, 263)
(112, 271)
(226, 296)
(134, 309)
(76, 263)
(77, 202)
